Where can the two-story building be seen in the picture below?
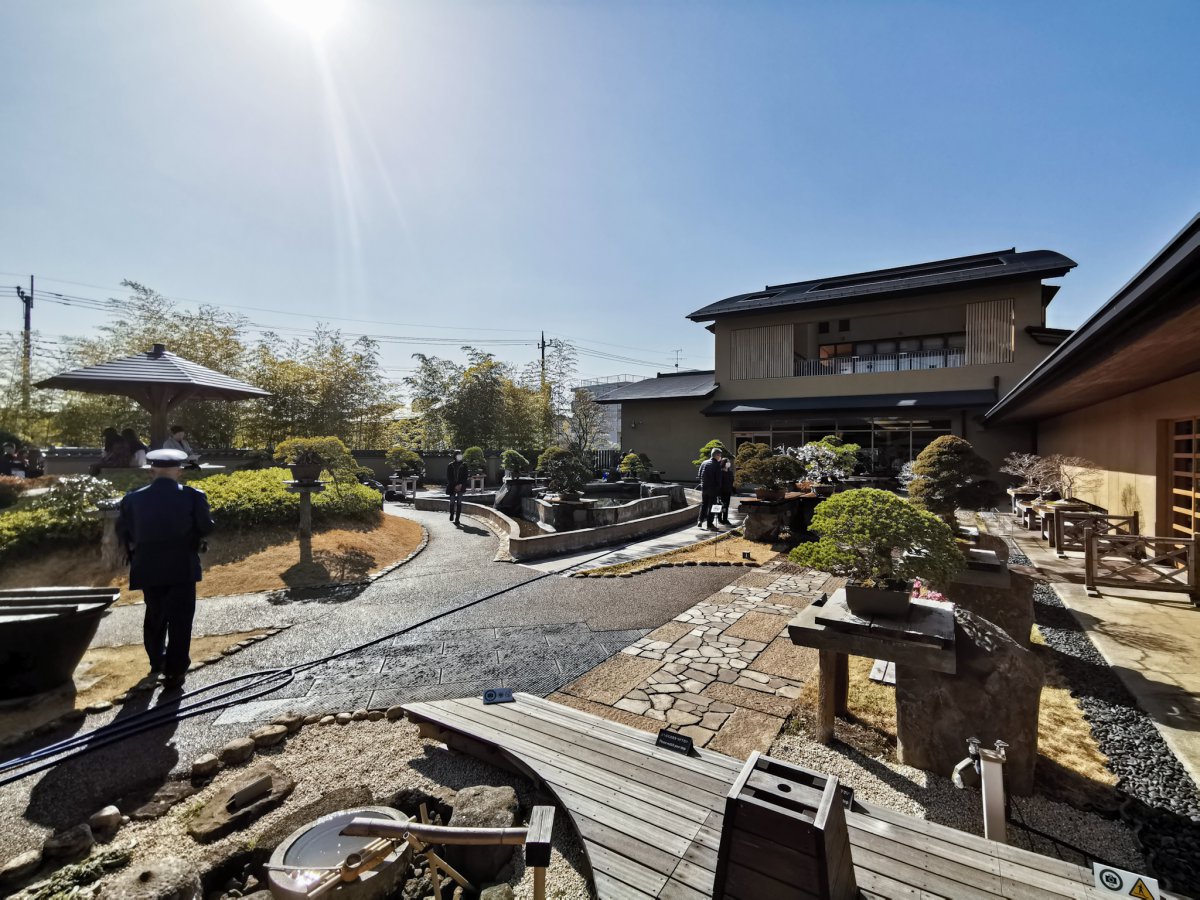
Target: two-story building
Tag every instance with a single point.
(888, 360)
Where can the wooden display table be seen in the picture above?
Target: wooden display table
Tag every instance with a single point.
(923, 638)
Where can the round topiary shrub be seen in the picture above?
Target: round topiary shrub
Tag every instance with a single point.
(513, 462)
(475, 460)
(405, 461)
(947, 475)
(565, 472)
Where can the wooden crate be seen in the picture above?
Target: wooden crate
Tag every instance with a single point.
(784, 836)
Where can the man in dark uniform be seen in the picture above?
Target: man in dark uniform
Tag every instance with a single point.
(457, 478)
(162, 526)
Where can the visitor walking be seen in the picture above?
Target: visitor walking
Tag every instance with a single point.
(726, 489)
(710, 488)
(457, 478)
(162, 527)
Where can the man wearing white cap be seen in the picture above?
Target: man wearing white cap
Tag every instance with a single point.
(162, 526)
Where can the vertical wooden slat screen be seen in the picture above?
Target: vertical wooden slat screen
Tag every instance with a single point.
(1183, 493)
(764, 352)
(991, 332)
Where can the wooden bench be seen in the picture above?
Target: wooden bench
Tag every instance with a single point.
(650, 820)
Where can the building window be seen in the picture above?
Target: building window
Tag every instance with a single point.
(843, 324)
(822, 328)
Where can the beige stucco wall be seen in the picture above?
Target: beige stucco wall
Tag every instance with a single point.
(671, 433)
(1126, 437)
(899, 317)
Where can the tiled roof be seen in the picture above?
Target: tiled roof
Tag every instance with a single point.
(154, 367)
(923, 277)
(665, 387)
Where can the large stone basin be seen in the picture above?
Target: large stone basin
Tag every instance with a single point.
(44, 633)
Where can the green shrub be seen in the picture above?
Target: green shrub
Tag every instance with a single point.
(475, 460)
(406, 462)
(514, 462)
(875, 537)
(564, 471)
(948, 475)
(707, 449)
(259, 497)
(23, 531)
(10, 489)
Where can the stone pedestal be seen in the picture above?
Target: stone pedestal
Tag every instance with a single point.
(993, 695)
(766, 518)
(1003, 596)
(511, 493)
(112, 554)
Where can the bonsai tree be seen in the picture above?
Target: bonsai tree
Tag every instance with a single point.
(475, 460)
(947, 476)
(827, 460)
(328, 452)
(1029, 469)
(1070, 474)
(565, 472)
(406, 462)
(878, 539)
(759, 464)
(714, 444)
(514, 462)
(632, 465)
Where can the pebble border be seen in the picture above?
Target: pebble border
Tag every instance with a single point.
(1162, 803)
(668, 564)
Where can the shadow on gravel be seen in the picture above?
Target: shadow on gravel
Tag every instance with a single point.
(337, 593)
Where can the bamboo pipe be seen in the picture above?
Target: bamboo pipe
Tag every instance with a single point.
(364, 826)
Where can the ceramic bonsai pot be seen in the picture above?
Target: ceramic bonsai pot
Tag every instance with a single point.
(871, 601)
(306, 473)
(768, 494)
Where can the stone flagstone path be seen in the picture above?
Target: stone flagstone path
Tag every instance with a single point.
(724, 672)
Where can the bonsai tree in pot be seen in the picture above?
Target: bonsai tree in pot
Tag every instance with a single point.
(514, 463)
(881, 543)
(475, 460)
(565, 472)
(949, 475)
(632, 465)
(826, 461)
(309, 456)
(404, 461)
(759, 465)
(707, 449)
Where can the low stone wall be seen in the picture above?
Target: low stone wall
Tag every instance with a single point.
(575, 516)
(543, 545)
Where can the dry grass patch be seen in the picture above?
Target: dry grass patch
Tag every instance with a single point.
(103, 674)
(244, 561)
(723, 548)
(1070, 766)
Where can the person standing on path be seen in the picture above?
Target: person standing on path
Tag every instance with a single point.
(457, 478)
(710, 488)
(162, 527)
(726, 489)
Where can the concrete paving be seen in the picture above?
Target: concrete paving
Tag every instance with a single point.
(1150, 639)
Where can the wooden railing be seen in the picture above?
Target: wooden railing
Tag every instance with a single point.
(1069, 527)
(1138, 561)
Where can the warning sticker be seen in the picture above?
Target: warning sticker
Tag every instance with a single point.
(1120, 883)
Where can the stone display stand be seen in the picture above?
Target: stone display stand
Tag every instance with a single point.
(405, 485)
(112, 554)
(765, 519)
(922, 639)
(475, 483)
(305, 489)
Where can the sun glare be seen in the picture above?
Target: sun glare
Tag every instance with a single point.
(316, 17)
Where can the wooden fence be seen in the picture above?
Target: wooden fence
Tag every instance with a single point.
(1138, 561)
(1069, 527)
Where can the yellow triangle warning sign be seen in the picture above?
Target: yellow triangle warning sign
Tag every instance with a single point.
(1140, 891)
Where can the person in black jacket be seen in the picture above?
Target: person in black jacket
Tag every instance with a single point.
(162, 527)
(726, 489)
(457, 478)
(710, 488)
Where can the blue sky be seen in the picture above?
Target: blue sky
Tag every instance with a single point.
(597, 170)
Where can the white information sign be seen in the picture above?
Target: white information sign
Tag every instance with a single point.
(1120, 883)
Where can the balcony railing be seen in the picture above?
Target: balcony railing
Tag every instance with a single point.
(952, 358)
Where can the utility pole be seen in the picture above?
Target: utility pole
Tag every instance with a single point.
(27, 349)
(542, 347)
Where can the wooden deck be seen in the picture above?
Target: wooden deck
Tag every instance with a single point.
(650, 819)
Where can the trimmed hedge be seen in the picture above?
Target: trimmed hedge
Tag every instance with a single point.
(238, 500)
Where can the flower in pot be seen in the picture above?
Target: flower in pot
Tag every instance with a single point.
(758, 464)
(880, 542)
(565, 473)
(513, 463)
(826, 461)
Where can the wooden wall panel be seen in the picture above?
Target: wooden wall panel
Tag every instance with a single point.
(764, 352)
(991, 332)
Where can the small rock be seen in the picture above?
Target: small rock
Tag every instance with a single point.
(326, 720)
(209, 660)
(394, 712)
(102, 706)
(231, 649)
(107, 819)
(291, 721)
(72, 842)
(236, 751)
(205, 766)
(312, 719)
(360, 715)
(497, 892)
(162, 879)
(482, 807)
(268, 735)
(375, 715)
(343, 718)
(215, 819)
(21, 866)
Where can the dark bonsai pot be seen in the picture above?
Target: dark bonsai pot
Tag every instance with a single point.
(768, 493)
(824, 490)
(872, 601)
(305, 473)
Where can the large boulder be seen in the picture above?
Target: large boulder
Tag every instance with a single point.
(218, 817)
(160, 879)
(483, 807)
(993, 696)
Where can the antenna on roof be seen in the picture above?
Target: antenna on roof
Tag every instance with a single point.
(677, 352)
